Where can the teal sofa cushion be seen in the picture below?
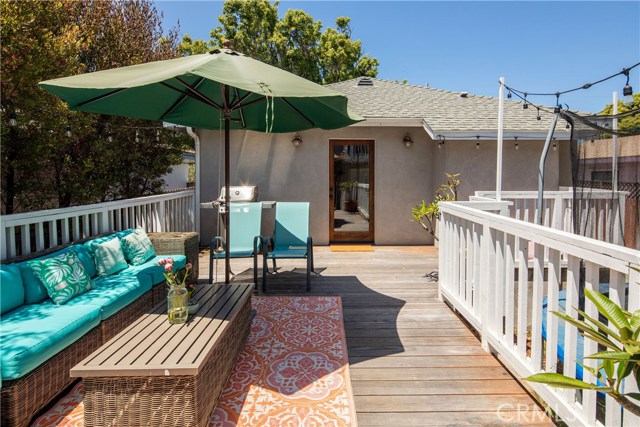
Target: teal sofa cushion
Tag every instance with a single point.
(11, 289)
(155, 271)
(33, 333)
(109, 257)
(113, 293)
(34, 290)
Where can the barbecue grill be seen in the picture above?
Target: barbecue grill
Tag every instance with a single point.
(237, 194)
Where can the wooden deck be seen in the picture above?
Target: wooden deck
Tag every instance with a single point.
(413, 361)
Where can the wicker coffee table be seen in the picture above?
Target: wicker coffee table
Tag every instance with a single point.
(157, 374)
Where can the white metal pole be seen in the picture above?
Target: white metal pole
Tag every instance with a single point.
(614, 156)
(500, 127)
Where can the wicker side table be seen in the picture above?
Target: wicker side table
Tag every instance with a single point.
(178, 243)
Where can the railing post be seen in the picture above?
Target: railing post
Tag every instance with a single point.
(442, 251)
(487, 292)
(161, 216)
(630, 386)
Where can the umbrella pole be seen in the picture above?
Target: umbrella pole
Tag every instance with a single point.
(227, 196)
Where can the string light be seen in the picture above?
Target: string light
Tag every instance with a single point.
(157, 136)
(509, 95)
(110, 136)
(68, 131)
(516, 146)
(137, 136)
(13, 119)
(625, 72)
(478, 142)
(526, 104)
(538, 118)
(555, 145)
(627, 91)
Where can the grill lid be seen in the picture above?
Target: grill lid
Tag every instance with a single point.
(240, 193)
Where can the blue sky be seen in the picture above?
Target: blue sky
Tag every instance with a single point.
(540, 46)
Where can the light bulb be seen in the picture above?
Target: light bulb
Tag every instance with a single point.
(627, 93)
(68, 132)
(137, 137)
(478, 145)
(13, 119)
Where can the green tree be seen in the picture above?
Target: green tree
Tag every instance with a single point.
(295, 42)
(42, 166)
(629, 123)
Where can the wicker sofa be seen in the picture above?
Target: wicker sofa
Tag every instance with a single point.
(41, 341)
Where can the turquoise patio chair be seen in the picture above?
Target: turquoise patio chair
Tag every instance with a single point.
(246, 241)
(290, 239)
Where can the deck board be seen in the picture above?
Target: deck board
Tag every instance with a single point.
(413, 361)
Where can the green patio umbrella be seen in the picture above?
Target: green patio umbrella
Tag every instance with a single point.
(222, 89)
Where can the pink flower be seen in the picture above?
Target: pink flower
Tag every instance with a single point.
(163, 261)
(170, 260)
(168, 267)
(189, 266)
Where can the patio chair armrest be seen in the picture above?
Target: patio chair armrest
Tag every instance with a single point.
(258, 243)
(216, 243)
(267, 241)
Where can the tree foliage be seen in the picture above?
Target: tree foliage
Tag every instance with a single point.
(629, 123)
(295, 42)
(43, 167)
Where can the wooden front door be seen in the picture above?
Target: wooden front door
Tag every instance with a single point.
(351, 190)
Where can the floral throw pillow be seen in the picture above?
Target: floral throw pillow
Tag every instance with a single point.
(137, 247)
(63, 276)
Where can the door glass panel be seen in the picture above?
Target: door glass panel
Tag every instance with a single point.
(351, 182)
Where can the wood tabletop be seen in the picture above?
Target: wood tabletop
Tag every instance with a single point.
(151, 346)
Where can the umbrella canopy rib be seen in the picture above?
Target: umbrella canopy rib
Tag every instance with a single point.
(181, 99)
(98, 98)
(200, 95)
(286, 101)
(236, 97)
(240, 100)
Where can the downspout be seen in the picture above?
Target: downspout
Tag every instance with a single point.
(191, 132)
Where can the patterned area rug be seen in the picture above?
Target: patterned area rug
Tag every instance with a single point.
(292, 372)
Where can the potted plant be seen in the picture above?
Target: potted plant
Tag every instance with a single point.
(348, 189)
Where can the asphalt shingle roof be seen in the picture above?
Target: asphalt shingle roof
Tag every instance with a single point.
(443, 111)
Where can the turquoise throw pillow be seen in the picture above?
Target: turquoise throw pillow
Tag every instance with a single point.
(109, 257)
(137, 247)
(63, 276)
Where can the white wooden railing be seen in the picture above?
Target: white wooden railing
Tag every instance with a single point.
(484, 275)
(363, 200)
(34, 231)
(602, 214)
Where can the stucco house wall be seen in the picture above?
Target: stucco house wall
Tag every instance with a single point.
(403, 176)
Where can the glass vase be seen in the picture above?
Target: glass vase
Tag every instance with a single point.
(178, 305)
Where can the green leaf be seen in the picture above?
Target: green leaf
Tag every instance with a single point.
(617, 356)
(604, 328)
(561, 381)
(635, 396)
(635, 321)
(594, 371)
(609, 368)
(624, 369)
(608, 308)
